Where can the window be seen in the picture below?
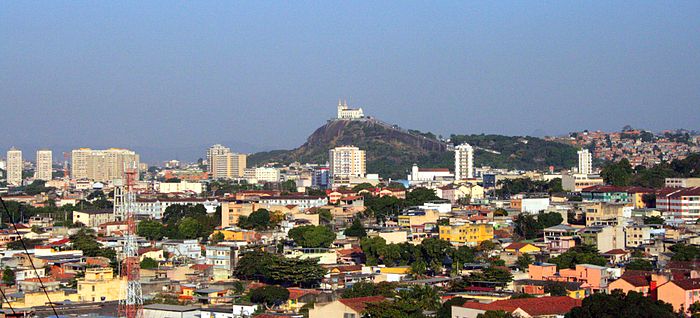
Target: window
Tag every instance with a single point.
(349, 315)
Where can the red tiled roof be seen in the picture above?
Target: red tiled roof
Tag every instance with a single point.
(145, 250)
(348, 268)
(616, 251)
(688, 284)
(201, 267)
(433, 169)
(636, 281)
(360, 303)
(296, 293)
(533, 306)
(349, 251)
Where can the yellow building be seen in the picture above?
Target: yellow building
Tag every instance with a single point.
(413, 218)
(598, 213)
(467, 233)
(99, 284)
(33, 299)
(238, 235)
(521, 248)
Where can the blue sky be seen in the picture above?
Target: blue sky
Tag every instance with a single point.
(170, 78)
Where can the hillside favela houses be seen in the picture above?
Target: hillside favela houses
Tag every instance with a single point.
(365, 219)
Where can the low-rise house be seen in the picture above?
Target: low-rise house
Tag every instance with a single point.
(170, 311)
(344, 308)
(93, 218)
(182, 248)
(680, 293)
(99, 284)
(543, 307)
(519, 248)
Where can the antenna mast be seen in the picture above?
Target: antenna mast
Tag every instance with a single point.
(131, 296)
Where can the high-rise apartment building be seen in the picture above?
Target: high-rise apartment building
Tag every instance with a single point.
(102, 165)
(585, 162)
(464, 162)
(14, 167)
(228, 165)
(213, 151)
(347, 161)
(44, 165)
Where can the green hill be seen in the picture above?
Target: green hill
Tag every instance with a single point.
(391, 151)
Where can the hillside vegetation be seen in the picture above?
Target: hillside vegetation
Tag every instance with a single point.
(391, 151)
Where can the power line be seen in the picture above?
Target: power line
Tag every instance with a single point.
(7, 301)
(31, 262)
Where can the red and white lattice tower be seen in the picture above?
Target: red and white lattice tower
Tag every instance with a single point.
(131, 296)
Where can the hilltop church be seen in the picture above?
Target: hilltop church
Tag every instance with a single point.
(349, 113)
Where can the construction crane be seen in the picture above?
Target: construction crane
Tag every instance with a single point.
(131, 296)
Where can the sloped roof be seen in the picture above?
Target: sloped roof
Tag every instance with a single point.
(360, 303)
(557, 305)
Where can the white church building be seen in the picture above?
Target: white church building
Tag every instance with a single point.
(344, 112)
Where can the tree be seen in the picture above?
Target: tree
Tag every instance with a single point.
(8, 276)
(149, 263)
(497, 274)
(420, 195)
(526, 226)
(259, 220)
(362, 186)
(555, 289)
(325, 216)
(653, 220)
(619, 304)
(217, 237)
(618, 174)
(297, 272)
(311, 236)
(580, 254)
(683, 252)
(373, 248)
(523, 261)
(549, 219)
(694, 309)
(495, 314)
(366, 289)
(189, 228)
(276, 269)
(150, 229)
(500, 212)
(445, 310)
(270, 296)
(640, 265)
(356, 229)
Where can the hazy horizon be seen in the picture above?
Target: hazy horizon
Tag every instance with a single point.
(170, 79)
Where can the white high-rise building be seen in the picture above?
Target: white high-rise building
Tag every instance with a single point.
(464, 162)
(14, 167)
(585, 162)
(102, 165)
(44, 165)
(346, 162)
(213, 151)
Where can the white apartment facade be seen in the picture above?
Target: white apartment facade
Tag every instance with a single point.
(347, 162)
(228, 165)
(585, 162)
(464, 162)
(14, 167)
(262, 174)
(102, 165)
(44, 165)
